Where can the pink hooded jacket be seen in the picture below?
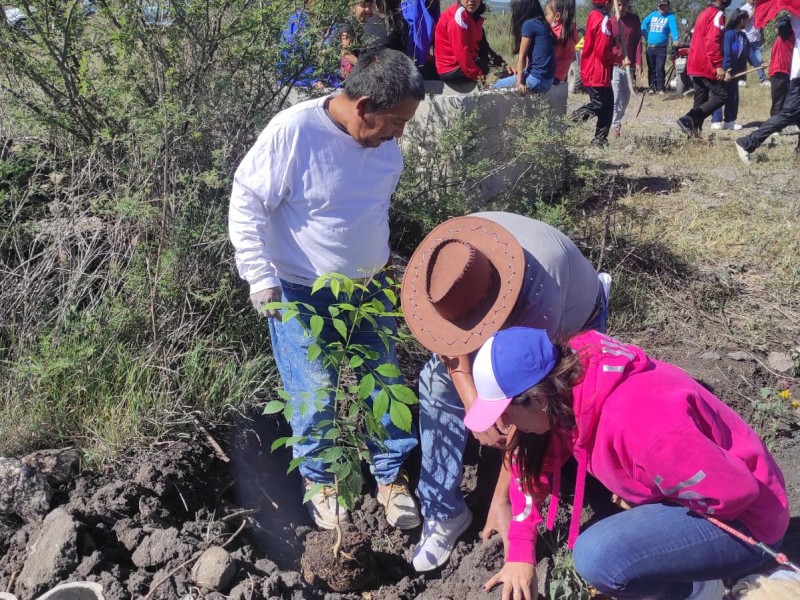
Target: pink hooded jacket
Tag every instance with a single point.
(650, 433)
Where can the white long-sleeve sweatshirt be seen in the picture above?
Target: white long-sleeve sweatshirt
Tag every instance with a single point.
(308, 200)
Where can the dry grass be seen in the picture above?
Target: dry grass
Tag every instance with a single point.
(737, 227)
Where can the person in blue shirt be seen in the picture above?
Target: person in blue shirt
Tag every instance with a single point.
(299, 62)
(657, 28)
(535, 43)
(735, 52)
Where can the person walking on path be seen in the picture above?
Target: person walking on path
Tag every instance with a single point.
(596, 64)
(734, 61)
(311, 197)
(667, 449)
(756, 39)
(627, 33)
(468, 278)
(780, 63)
(657, 28)
(789, 114)
(705, 67)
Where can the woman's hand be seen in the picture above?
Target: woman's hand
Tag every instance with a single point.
(518, 579)
(498, 519)
(523, 89)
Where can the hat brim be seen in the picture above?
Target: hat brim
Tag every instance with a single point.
(484, 413)
(432, 330)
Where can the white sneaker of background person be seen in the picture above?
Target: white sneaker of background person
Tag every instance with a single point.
(438, 541)
(716, 125)
(732, 125)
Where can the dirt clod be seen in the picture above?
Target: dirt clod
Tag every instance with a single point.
(353, 569)
(215, 569)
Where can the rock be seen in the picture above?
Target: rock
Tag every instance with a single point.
(629, 149)
(710, 356)
(266, 566)
(244, 591)
(53, 554)
(741, 356)
(24, 491)
(58, 466)
(89, 565)
(159, 548)
(780, 362)
(128, 534)
(215, 569)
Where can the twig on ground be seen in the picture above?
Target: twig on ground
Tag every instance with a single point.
(11, 581)
(166, 577)
(212, 442)
(268, 497)
(236, 533)
(241, 513)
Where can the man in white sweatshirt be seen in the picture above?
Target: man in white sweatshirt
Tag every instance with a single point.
(789, 115)
(311, 197)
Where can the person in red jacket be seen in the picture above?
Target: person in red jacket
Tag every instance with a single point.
(780, 63)
(461, 50)
(597, 59)
(705, 67)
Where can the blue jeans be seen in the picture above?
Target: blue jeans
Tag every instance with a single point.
(302, 380)
(443, 435)
(756, 60)
(540, 86)
(656, 551)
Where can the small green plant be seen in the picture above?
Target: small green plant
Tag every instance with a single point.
(794, 356)
(355, 418)
(565, 583)
(774, 408)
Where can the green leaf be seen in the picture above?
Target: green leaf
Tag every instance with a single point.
(289, 314)
(284, 394)
(273, 406)
(341, 327)
(333, 311)
(281, 441)
(381, 404)
(312, 491)
(388, 370)
(286, 441)
(365, 386)
(314, 350)
(391, 296)
(319, 283)
(296, 462)
(335, 287)
(331, 455)
(766, 392)
(356, 361)
(400, 415)
(331, 434)
(316, 325)
(403, 393)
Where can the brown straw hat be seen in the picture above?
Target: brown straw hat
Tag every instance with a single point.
(461, 284)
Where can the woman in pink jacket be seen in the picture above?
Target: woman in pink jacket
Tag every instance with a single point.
(655, 438)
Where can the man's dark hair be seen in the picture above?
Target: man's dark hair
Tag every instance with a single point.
(387, 77)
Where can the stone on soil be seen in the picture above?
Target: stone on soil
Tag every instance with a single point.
(779, 361)
(160, 548)
(215, 569)
(52, 556)
(740, 356)
(710, 356)
(24, 491)
(58, 466)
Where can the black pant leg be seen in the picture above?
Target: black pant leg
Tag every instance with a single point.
(788, 116)
(779, 84)
(709, 95)
(604, 112)
(661, 64)
(651, 68)
(700, 97)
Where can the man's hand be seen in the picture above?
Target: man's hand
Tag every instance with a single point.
(720, 73)
(518, 579)
(523, 89)
(498, 520)
(728, 75)
(494, 437)
(626, 62)
(266, 296)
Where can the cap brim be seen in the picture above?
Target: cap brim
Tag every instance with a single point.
(484, 413)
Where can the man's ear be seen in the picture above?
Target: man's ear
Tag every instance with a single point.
(363, 106)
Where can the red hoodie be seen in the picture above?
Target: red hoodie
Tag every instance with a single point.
(597, 56)
(780, 60)
(705, 51)
(650, 433)
(458, 36)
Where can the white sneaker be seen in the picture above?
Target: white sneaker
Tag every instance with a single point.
(324, 508)
(732, 125)
(742, 83)
(744, 155)
(707, 590)
(766, 83)
(400, 506)
(716, 125)
(438, 541)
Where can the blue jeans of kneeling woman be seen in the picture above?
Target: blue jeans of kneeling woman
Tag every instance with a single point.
(655, 551)
(303, 379)
(533, 83)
